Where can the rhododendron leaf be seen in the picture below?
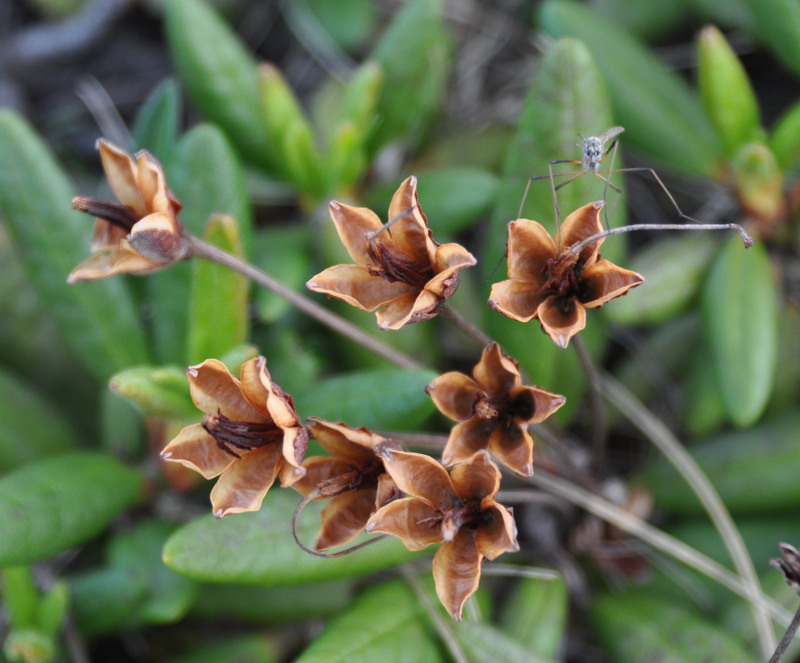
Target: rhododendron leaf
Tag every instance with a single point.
(218, 313)
(388, 399)
(53, 239)
(777, 23)
(241, 649)
(536, 616)
(219, 75)
(157, 391)
(169, 595)
(61, 501)
(156, 125)
(740, 312)
(785, 139)
(415, 55)
(766, 455)
(661, 116)
(31, 427)
(482, 642)
(105, 600)
(283, 251)
(387, 623)
(232, 549)
(635, 626)
(673, 268)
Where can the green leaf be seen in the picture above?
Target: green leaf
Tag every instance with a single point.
(705, 411)
(60, 502)
(740, 314)
(726, 93)
(387, 624)
(281, 251)
(777, 24)
(483, 642)
(346, 161)
(303, 161)
(270, 605)
(414, 53)
(673, 269)
(219, 75)
(107, 600)
(765, 456)
(389, 399)
(237, 649)
(99, 319)
(348, 22)
(646, 21)
(20, 596)
(759, 183)
(156, 126)
(121, 426)
(258, 548)
(168, 595)
(157, 391)
(661, 116)
(635, 627)
(785, 139)
(536, 616)
(30, 427)
(218, 315)
(206, 173)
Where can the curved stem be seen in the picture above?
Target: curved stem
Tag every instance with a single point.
(596, 405)
(748, 241)
(676, 453)
(201, 249)
(658, 539)
(786, 639)
(463, 324)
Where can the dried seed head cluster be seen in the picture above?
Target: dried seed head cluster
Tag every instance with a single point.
(250, 433)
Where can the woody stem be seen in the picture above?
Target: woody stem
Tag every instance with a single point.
(787, 638)
(201, 249)
(747, 239)
(463, 324)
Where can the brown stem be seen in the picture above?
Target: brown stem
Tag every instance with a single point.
(449, 313)
(787, 638)
(205, 250)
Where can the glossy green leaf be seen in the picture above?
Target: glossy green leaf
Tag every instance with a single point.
(258, 548)
(156, 126)
(785, 139)
(303, 161)
(219, 75)
(348, 22)
(777, 23)
(414, 53)
(99, 320)
(787, 371)
(482, 643)
(168, 595)
(705, 411)
(740, 314)
(673, 269)
(359, 97)
(389, 399)
(726, 93)
(107, 600)
(121, 426)
(218, 315)
(387, 624)
(157, 391)
(753, 470)
(660, 114)
(52, 609)
(237, 649)
(282, 252)
(270, 605)
(646, 21)
(30, 427)
(759, 183)
(346, 160)
(635, 626)
(20, 596)
(207, 175)
(535, 616)
(455, 198)
(61, 501)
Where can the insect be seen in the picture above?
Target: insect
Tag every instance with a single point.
(594, 154)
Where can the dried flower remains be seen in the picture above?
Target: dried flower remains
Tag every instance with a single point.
(400, 270)
(457, 510)
(494, 409)
(141, 233)
(551, 282)
(250, 435)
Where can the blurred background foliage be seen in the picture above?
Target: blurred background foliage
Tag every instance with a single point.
(261, 112)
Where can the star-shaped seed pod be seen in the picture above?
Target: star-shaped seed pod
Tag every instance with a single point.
(399, 270)
(551, 281)
(250, 435)
(141, 233)
(352, 477)
(494, 409)
(457, 510)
